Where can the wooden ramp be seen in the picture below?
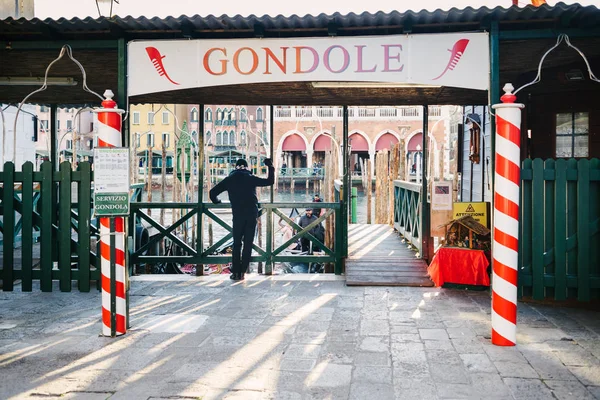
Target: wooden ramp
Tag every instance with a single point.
(377, 257)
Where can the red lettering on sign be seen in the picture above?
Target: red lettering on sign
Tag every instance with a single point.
(269, 54)
(299, 59)
(223, 62)
(388, 57)
(236, 61)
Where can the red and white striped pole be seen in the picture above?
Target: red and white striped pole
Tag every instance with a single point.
(109, 135)
(505, 250)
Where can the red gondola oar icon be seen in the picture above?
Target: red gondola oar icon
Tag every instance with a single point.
(457, 52)
(156, 59)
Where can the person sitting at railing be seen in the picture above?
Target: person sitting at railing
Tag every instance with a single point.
(241, 187)
(284, 169)
(317, 231)
(317, 199)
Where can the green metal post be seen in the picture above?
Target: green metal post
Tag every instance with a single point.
(200, 215)
(269, 244)
(494, 99)
(346, 177)
(54, 159)
(53, 155)
(122, 88)
(271, 134)
(83, 223)
(338, 243)
(425, 228)
(113, 280)
(123, 104)
(494, 90)
(354, 197)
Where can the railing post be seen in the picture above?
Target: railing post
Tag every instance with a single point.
(425, 218)
(200, 205)
(338, 243)
(269, 244)
(83, 224)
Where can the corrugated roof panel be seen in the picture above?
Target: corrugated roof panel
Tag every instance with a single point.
(575, 14)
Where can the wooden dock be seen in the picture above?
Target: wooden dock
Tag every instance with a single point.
(377, 257)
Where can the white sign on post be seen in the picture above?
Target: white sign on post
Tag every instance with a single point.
(111, 181)
(441, 198)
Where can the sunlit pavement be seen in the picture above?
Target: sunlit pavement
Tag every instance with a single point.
(291, 337)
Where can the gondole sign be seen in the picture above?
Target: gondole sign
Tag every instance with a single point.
(454, 59)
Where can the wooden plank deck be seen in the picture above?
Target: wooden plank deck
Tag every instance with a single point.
(377, 257)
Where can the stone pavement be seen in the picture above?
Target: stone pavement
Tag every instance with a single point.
(210, 338)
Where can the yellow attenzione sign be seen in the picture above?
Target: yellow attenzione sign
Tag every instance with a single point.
(479, 211)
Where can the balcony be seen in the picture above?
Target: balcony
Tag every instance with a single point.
(356, 113)
(226, 122)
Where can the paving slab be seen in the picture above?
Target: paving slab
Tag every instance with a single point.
(291, 339)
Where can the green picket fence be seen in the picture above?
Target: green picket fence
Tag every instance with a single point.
(39, 204)
(559, 253)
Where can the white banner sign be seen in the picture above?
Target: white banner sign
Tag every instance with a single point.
(455, 59)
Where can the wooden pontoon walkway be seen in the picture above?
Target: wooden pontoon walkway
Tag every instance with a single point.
(377, 256)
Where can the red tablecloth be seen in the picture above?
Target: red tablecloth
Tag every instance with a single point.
(462, 266)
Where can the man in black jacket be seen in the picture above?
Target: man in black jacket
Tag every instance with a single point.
(317, 231)
(241, 187)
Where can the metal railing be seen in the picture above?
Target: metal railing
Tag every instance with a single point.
(194, 248)
(407, 212)
(301, 172)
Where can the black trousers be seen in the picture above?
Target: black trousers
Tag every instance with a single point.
(244, 228)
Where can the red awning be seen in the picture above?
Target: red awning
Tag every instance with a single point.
(293, 143)
(385, 140)
(359, 143)
(323, 143)
(415, 141)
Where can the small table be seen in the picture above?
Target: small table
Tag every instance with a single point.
(461, 266)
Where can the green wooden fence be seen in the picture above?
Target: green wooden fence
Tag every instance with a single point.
(407, 212)
(60, 249)
(559, 253)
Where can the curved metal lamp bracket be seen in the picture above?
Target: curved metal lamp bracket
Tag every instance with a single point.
(66, 49)
(562, 37)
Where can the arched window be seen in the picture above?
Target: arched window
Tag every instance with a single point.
(208, 115)
(219, 114)
(230, 115)
(243, 115)
(259, 115)
(225, 139)
(219, 138)
(207, 138)
(243, 138)
(194, 116)
(232, 138)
